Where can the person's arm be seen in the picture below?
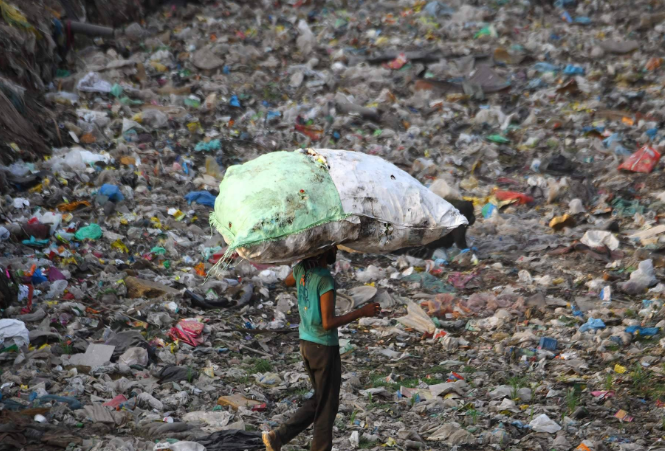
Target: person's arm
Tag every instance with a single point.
(290, 281)
(330, 321)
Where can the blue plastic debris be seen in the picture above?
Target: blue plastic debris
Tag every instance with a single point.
(639, 330)
(488, 210)
(34, 242)
(536, 83)
(613, 138)
(112, 192)
(234, 101)
(622, 151)
(272, 114)
(582, 20)
(548, 343)
(546, 67)
(436, 8)
(73, 403)
(201, 197)
(592, 324)
(38, 277)
(571, 69)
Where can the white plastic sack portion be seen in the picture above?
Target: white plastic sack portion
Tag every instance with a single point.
(303, 244)
(93, 82)
(13, 331)
(404, 212)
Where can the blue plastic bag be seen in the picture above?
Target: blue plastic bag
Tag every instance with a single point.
(639, 330)
(571, 69)
(112, 192)
(201, 197)
(548, 343)
(38, 277)
(592, 324)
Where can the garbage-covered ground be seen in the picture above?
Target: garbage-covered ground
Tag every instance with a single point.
(545, 335)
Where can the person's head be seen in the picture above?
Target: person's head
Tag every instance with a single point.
(325, 258)
(330, 256)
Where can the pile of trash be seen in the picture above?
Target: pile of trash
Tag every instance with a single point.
(545, 333)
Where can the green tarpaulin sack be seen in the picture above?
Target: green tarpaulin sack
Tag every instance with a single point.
(285, 206)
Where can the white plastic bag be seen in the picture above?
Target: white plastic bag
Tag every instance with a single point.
(543, 423)
(134, 356)
(93, 82)
(13, 331)
(75, 159)
(640, 279)
(215, 420)
(416, 318)
(441, 188)
(180, 446)
(155, 118)
(306, 40)
(597, 238)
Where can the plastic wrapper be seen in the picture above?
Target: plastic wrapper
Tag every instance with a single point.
(644, 160)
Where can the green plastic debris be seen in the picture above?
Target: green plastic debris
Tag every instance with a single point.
(626, 208)
(62, 73)
(211, 145)
(116, 90)
(157, 250)
(485, 31)
(430, 283)
(498, 139)
(127, 101)
(91, 232)
(12, 348)
(193, 102)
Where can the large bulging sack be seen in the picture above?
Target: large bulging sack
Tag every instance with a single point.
(286, 206)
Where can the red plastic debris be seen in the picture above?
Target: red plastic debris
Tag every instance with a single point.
(644, 160)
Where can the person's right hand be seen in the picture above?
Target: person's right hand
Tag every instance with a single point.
(370, 310)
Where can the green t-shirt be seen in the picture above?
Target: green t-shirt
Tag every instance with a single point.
(311, 285)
